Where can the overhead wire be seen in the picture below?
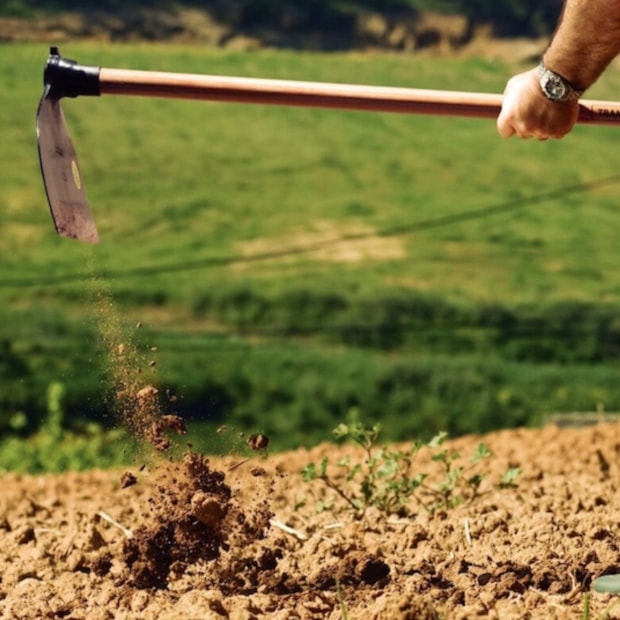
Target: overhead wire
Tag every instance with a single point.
(440, 221)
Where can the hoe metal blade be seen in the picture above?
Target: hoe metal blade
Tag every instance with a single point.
(61, 173)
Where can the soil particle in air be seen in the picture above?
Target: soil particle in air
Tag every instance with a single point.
(127, 480)
(258, 442)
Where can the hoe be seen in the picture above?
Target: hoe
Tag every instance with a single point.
(66, 78)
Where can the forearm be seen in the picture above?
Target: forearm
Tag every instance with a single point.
(586, 40)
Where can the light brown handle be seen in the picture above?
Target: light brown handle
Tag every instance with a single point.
(324, 95)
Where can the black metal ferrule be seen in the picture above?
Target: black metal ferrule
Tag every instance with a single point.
(66, 78)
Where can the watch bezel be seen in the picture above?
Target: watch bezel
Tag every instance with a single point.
(554, 87)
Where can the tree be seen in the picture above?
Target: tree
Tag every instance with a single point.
(513, 17)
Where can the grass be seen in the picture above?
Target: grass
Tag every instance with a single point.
(195, 182)
(257, 244)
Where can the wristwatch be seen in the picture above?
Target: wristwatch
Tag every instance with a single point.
(555, 87)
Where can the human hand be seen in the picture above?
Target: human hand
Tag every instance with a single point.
(527, 113)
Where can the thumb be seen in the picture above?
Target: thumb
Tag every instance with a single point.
(504, 126)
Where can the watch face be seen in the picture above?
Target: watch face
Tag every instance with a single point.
(554, 88)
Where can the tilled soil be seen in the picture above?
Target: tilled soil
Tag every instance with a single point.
(234, 538)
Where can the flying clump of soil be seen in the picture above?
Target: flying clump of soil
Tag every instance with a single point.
(191, 514)
(193, 518)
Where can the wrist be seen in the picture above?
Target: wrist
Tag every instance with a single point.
(576, 72)
(556, 87)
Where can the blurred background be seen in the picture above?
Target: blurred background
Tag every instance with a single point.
(282, 270)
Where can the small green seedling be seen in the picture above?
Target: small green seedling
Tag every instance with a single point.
(385, 478)
(510, 477)
(458, 484)
(607, 584)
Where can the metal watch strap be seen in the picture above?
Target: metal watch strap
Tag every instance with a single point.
(572, 93)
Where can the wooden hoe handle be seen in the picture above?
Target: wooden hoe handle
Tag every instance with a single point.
(324, 95)
(66, 78)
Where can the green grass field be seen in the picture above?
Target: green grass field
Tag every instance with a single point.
(294, 264)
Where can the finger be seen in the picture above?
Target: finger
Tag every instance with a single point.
(504, 128)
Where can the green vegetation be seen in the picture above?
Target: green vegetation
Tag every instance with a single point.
(510, 17)
(291, 265)
(391, 479)
(54, 449)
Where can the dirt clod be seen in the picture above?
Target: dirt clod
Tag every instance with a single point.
(156, 432)
(24, 534)
(207, 508)
(147, 395)
(193, 518)
(102, 564)
(258, 442)
(128, 480)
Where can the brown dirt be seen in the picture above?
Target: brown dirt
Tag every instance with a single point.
(247, 538)
(236, 538)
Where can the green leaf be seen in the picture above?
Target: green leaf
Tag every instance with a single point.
(341, 431)
(353, 472)
(481, 452)
(375, 431)
(344, 462)
(308, 473)
(323, 467)
(389, 469)
(440, 457)
(510, 477)
(437, 440)
(475, 480)
(416, 481)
